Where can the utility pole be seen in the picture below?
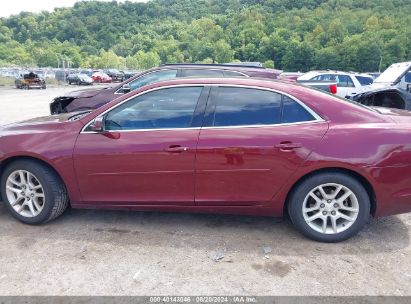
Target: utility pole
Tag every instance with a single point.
(379, 68)
(64, 72)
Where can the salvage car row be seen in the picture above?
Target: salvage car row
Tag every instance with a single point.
(30, 79)
(391, 89)
(217, 139)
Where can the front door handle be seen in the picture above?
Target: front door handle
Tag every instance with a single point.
(176, 149)
(288, 145)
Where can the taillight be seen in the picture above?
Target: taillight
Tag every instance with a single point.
(333, 89)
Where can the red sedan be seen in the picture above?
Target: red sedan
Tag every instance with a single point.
(101, 77)
(238, 146)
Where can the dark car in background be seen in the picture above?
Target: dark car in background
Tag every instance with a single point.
(392, 89)
(79, 79)
(391, 97)
(93, 99)
(88, 72)
(116, 75)
(128, 74)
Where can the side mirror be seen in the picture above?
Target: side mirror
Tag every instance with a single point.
(126, 88)
(97, 125)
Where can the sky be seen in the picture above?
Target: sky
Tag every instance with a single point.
(14, 7)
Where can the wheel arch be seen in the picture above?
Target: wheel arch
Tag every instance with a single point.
(360, 178)
(4, 163)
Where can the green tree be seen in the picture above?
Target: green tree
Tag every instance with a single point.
(299, 56)
(223, 52)
(147, 60)
(269, 64)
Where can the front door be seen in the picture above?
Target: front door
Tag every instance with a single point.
(146, 153)
(252, 142)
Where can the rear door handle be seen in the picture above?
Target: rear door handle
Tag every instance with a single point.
(176, 149)
(288, 145)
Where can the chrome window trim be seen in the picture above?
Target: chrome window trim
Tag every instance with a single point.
(317, 118)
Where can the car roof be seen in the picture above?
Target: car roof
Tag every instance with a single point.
(215, 66)
(258, 82)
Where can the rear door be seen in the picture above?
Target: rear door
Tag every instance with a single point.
(251, 143)
(345, 85)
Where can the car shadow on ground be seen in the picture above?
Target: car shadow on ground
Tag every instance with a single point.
(235, 233)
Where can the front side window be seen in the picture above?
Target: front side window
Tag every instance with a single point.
(160, 109)
(152, 78)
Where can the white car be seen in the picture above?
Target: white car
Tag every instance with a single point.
(348, 83)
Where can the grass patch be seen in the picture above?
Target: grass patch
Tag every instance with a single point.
(6, 81)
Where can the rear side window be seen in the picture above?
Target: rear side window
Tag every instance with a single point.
(201, 73)
(242, 106)
(344, 81)
(160, 109)
(246, 106)
(294, 112)
(364, 80)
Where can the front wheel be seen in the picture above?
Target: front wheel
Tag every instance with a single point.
(32, 192)
(329, 207)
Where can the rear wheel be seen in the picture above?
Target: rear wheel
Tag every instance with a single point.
(329, 207)
(32, 192)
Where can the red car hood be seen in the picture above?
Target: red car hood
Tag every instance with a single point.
(43, 124)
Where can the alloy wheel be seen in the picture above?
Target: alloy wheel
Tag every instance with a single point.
(25, 193)
(330, 208)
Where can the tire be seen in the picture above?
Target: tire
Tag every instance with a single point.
(343, 217)
(53, 202)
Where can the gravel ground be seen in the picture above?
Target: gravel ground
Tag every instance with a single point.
(135, 253)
